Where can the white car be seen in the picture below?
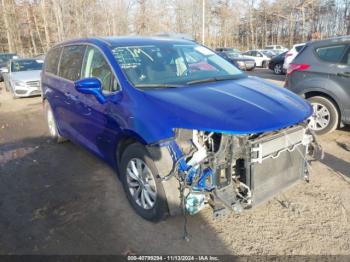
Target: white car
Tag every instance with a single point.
(261, 57)
(22, 77)
(276, 47)
(292, 54)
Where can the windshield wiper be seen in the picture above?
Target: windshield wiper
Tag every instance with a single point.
(157, 86)
(213, 79)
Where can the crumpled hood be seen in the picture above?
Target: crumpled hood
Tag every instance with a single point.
(244, 106)
(26, 75)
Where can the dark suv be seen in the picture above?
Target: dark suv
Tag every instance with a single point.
(321, 74)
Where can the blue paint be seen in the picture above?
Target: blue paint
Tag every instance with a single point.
(90, 86)
(99, 122)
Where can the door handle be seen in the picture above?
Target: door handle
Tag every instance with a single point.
(70, 96)
(344, 74)
(87, 110)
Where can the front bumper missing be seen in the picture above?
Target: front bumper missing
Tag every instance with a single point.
(267, 165)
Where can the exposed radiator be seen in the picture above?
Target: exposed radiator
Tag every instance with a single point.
(277, 162)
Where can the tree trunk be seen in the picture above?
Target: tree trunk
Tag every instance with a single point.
(10, 41)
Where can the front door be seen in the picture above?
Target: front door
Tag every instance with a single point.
(96, 122)
(68, 72)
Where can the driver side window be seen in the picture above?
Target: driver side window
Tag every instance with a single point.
(95, 65)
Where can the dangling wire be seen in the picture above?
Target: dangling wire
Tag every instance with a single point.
(183, 208)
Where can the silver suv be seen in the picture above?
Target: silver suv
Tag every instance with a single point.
(321, 74)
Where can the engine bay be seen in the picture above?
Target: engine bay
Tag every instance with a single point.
(231, 173)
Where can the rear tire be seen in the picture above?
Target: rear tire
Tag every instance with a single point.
(325, 118)
(142, 184)
(278, 69)
(51, 123)
(264, 64)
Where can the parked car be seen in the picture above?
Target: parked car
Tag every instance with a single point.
(260, 57)
(22, 77)
(4, 58)
(236, 59)
(321, 74)
(276, 64)
(291, 54)
(269, 53)
(276, 47)
(227, 49)
(276, 51)
(181, 126)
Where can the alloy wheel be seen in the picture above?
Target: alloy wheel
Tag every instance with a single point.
(141, 183)
(320, 118)
(277, 69)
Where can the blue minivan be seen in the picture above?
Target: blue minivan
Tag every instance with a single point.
(183, 128)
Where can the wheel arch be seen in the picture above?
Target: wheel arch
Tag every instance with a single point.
(314, 93)
(125, 139)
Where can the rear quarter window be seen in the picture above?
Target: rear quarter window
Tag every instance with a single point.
(298, 48)
(52, 60)
(71, 61)
(331, 54)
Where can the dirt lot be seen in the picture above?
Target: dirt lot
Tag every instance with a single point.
(60, 199)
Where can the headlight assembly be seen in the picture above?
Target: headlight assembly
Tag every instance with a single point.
(241, 64)
(19, 83)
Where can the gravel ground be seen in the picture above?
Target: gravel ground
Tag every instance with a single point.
(60, 199)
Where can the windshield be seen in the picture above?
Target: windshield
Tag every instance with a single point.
(169, 65)
(26, 65)
(233, 55)
(268, 53)
(6, 57)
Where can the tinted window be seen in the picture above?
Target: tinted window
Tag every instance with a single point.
(298, 48)
(346, 59)
(95, 65)
(331, 53)
(52, 60)
(71, 60)
(26, 65)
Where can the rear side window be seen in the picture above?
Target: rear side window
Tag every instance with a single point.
(52, 60)
(298, 48)
(346, 58)
(331, 53)
(71, 60)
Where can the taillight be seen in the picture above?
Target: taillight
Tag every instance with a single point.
(296, 67)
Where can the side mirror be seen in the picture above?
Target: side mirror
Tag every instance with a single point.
(4, 70)
(90, 86)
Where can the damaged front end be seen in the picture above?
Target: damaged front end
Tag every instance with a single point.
(235, 172)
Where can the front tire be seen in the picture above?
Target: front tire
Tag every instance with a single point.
(325, 118)
(142, 184)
